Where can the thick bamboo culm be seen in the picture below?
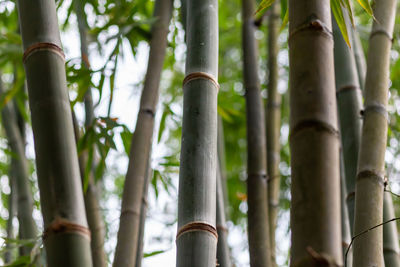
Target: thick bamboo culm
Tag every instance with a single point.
(92, 205)
(257, 195)
(314, 137)
(197, 235)
(273, 125)
(349, 101)
(128, 233)
(371, 163)
(66, 236)
(19, 173)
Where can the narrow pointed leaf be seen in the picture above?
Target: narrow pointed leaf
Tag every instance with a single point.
(338, 13)
(264, 4)
(366, 5)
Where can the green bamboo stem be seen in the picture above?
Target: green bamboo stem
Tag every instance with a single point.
(197, 236)
(223, 254)
(128, 233)
(391, 248)
(273, 126)
(92, 206)
(20, 172)
(66, 236)
(143, 213)
(359, 58)
(349, 99)
(314, 140)
(12, 211)
(257, 215)
(346, 233)
(371, 164)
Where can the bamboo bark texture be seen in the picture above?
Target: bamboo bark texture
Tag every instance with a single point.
(66, 236)
(371, 164)
(257, 199)
(197, 235)
(314, 140)
(128, 233)
(391, 248)
(349, 101)
(273, 125)
(92, 205)
(20, 174)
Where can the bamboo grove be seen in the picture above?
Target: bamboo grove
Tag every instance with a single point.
(199, 133)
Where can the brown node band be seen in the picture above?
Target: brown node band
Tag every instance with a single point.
(222, 228)
(378, 108)
(316, 124)
(62, 226)
(313, 24)
(371, 174)
(200, 75)
(197, 227)
(347, 88)
(43, 46)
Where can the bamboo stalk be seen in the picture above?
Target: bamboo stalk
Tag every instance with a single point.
(12, 212)
(273, 125)
(391, 250)
(314, 140)
(359, 58)
(371, 163)
(20, 173)
(257, 215)
(223, 254)
(349, 99)
(222, 164)
(346, 233)
(66, 236)
(197, 236)
(128, 233)
(92, 206)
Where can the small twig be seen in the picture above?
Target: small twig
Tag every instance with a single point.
(364, 232)
(394, 194)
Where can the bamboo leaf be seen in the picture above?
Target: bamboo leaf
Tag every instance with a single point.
(285, 20)
(349, 9)
(153, 253)
(366, 5)
(264, 4)
(338, 13)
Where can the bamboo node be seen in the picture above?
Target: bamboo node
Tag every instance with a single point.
(376, 107)
(60, 225)
(313, 24)
(322, 259)
(200, 75)
(148, 111)
(43, 46)
(197, 227)
(383, 32)
(316, 124)
(346, 88)
(371, 174)
(222, 228)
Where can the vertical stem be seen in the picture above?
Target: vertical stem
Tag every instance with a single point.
(346, 233)
(222, 164)
(359, 58)
(273, 125)
(66, 236)
(314, 138)
(197, 236)
(92, 206)
(128, 233)
(20, 173)
(390, 235)
(12, 211)
(349, 98)
(223, 255)
(259, 239)
(371, 163)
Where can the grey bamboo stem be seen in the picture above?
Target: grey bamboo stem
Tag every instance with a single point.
(12, 212)
(223, 254)
(66, 236)
(20, 172)
(92, 206)
(222, 164)
(197, 236)
(314, 140)
(273, 126)
(128, 233)
(346, 233)
(349, 99)
(359, 58)
(257, 215)
(391, 248)
(371, 164)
